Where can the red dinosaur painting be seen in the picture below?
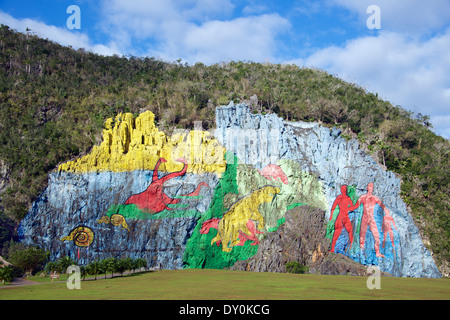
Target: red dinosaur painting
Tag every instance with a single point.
(196, 192)
(154, 199)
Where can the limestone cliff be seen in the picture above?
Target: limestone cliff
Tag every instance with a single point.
(368, 234)
(198, 199)
(300, 239)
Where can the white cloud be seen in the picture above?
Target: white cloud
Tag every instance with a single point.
(406, 62)
(399, 68)
(196, 30)
(250, 38)
(142, 19)
(62, 36)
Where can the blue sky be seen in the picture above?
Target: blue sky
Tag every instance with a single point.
(406, 61)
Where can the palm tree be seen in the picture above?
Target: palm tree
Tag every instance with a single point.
(102, 266)
(51, 267)
(121, 266)
(83, 272)
(127, 264)
(65, 262)
(94, 268)
(109, 265)
(133, 265)
(141, 263)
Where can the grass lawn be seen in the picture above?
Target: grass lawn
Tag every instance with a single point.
(211, 284)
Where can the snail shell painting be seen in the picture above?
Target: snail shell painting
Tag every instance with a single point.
(81, 236)
(115, 220)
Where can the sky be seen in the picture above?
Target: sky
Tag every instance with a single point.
(396, 48)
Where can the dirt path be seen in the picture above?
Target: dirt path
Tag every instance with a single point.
(19, 282)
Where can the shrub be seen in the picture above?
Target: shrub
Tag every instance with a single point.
(6, 274)
(27, 258)
(295, 267)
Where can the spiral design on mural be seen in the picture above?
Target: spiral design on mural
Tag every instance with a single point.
(81, 236)
(117, 219)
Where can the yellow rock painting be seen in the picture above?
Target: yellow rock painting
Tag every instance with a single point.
(136, 144)
(235, 220)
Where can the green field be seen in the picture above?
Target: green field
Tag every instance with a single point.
(210, 284)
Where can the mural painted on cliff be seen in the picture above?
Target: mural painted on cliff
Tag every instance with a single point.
(244, 207)
(179, 202)
(359, 224)
(247, 203)
(133, 144)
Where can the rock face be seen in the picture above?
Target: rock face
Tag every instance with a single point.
(198, 199)
(385, 238)
(88, 212)
(72, 200)
(300, 239)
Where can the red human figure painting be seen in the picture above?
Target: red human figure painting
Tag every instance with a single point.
(387, 222)
(369, 201)
(342, 201)
(154, 199)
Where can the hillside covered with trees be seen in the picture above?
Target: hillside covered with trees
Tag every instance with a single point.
(54, 100)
